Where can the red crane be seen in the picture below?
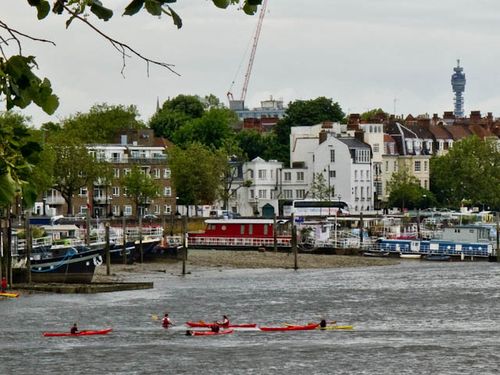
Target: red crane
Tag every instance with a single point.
(252, 56)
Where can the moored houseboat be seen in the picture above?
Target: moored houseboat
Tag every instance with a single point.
(241, 234)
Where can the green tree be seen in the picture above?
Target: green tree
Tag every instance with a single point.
(252, 143)
(303, 113)
(102, 123)
(212, 129)
(74, 167)
(140, 187)
(196, 173)
(174, 114)
(470, 171)
(405, 190)
(320, 189)
(374, 115)
(19, 153)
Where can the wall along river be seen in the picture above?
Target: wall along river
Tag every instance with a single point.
(413, 318)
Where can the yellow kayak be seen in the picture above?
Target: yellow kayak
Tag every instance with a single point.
(10, 295)
(336, 327)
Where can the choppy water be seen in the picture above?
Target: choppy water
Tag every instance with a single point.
(414, 318)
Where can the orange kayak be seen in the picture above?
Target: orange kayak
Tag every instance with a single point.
(80, 333)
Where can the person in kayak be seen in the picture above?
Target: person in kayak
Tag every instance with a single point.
(225, 322)
(74, 329)
(322, 324)
(189, 333)
(165, 322)
(215, 327)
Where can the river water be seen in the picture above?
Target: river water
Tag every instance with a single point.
(413, 318)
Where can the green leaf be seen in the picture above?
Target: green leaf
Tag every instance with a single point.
(7, 188)
(254, 2)
(250, 9)
(221, 3)
(43, 9)
(101, 12)
(153, 7)
(175, 17)
(133, 7)
(58, 8)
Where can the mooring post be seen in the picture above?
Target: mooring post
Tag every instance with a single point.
(498, 237)
(108, 256)
(140, 240)
(124, 228)
(184, 244)
(294, 245)
(29, 245)
(275, 234)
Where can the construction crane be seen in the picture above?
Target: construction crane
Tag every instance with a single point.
(241, 102)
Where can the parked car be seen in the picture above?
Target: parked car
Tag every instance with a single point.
(150, 216)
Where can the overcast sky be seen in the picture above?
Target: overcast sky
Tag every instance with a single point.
(394, 54)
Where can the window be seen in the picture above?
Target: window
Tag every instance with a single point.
(116, 210)
(263, 194)
(127, 210)
(115, 190)
(157, 209)
(116, 172)
(167, 191)
(386, 166)
(156, 173)
(417, 166)
(262, 174)
(333, 174)
(167, 209)
(395, 165)
(361, 174)
(288, 193)
(425, 165)
(288, 176)
(332, 156)
(126, 171)
(252, 194)
(300, 176)
(250, 173)
(300, 194)
(166, 173)
(355, 175)
(83, 192)
(376, 147)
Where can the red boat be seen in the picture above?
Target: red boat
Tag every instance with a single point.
(208, 325)
(307, 327)
(210, 333)
(80, 333)
(240, 233)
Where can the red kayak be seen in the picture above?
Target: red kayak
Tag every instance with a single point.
(307, 327)
(207, 325)
(80, 333)
(209, 333)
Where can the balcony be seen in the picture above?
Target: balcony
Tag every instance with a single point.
(54, 200)
(102, 200)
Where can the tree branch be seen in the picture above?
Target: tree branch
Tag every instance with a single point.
(15, 34)
(122, 48)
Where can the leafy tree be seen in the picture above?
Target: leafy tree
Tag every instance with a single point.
(320, 189)
(196, 173)
(140, 187)
(174, 114)
(470, 171)
(252, 143)
(405, 190)
(212, 129)
(74, 167)
(19, 152)
(303, 113)
(21, 87)
(374, 115)
(102, 123)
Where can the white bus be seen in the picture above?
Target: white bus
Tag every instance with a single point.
(310, 207)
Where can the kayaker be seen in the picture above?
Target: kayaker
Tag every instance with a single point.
(165, 322)
(215, 327)
(189, 333)
(322, 324)
(74, 329)
(225, 322)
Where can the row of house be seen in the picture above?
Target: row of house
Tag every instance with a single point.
(356, 160)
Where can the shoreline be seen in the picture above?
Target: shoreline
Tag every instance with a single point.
(199, 260)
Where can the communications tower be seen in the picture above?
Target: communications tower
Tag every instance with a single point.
(458, 85)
